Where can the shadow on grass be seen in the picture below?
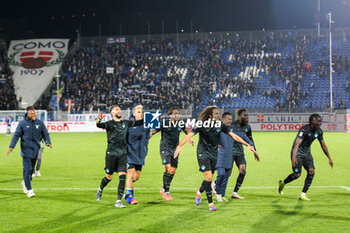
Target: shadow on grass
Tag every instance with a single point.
(273, 221)
(87, 219)
(79, 212)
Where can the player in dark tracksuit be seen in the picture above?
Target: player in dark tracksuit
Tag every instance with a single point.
(31, 131)
(207, 149)
(226, 156)
(137, 139)
(169, 141)
(242, 126)
(116, 150)
(301, 154)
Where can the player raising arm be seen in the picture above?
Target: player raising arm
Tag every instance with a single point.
(207, 148)
(116, 150)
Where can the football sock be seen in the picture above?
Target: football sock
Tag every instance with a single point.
(104, 182)
(121, 186)
(209, 191)
(290, 178)
(308, 181)
(167, 178)
(239, 181)
(203, 187)
(129, 192)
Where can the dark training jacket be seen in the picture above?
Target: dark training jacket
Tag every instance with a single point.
(31, 133)
(137, 139)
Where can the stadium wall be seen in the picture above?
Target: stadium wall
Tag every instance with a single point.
(259, 122)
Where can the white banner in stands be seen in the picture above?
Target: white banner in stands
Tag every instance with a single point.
(34, 63)
(109, 70)
(87, 117)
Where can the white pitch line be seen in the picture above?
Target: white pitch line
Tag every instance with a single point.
(347, 188)
(15, 189)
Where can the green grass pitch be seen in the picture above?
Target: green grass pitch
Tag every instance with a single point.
(72, 171)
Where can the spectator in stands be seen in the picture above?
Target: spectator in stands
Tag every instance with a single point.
(7, 93)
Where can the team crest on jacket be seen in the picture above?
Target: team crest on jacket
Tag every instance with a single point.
(37, 126)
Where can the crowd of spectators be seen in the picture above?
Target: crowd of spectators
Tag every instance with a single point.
(7, 94)
(163, 74)
(144, 74)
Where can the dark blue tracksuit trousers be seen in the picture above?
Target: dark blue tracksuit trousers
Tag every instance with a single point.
(221, 180)
(28, 169)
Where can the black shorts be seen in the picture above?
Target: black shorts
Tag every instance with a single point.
(168, 158)
(115, 163)
(206, 164)
(306, 161)
(135, 166)
(239, 159)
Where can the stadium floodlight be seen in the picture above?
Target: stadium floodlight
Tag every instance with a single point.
(329, 16)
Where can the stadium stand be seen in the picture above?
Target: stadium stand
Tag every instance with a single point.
(276, 72)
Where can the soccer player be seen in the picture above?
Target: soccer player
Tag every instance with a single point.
(116, 157)
(169, 141)
(207, 149)
(36, 172)
(241, 125)
(31, 131)
(138, 138)
(301, 154)
(8, 123)
(226, 156)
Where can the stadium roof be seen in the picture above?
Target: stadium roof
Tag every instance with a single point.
(41, 18)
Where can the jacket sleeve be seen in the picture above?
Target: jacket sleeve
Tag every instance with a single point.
(243, 136)
(17, 135)
(102, 125)
(250, 136)
(45, 134)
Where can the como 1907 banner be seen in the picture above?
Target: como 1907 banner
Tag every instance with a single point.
(34, 63)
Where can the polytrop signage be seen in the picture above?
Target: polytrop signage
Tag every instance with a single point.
(294, 121)
(280, 126)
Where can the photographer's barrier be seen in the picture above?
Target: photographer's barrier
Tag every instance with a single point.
(60, 127)
(258, 122)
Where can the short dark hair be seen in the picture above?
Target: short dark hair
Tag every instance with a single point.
(111, 108)
(29, 108)
(314, 116)
(226, 114)
(241, 111)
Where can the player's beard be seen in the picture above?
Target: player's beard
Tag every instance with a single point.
(118, 116)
